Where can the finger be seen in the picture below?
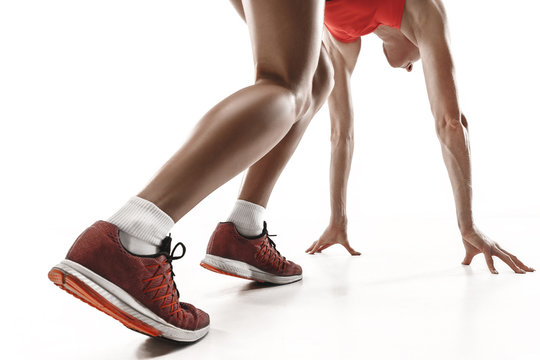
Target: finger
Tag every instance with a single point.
(351, 250)
(321, 248)
(312, 246)
(516, 260)
(504, 257)
(310, 250)
(468, 258)
(489, 262)
(316, 247)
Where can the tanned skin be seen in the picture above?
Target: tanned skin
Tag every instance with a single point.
(260, 123)
(423, 35)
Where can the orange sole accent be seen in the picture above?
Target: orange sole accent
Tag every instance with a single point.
(83, 292)
(211, 268)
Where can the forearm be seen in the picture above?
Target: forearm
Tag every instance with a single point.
(430, 32)
(343, 58)
(454, 139)
(424, 23)
(340, 166)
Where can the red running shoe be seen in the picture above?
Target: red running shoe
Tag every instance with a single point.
(252, 258)
(139, 291)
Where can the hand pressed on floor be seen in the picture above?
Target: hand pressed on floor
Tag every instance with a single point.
(331, 236)
(476, 242)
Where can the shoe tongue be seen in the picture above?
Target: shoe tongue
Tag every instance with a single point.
(165, 246)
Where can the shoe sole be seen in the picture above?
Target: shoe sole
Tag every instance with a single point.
(114, 301)
(245, 271)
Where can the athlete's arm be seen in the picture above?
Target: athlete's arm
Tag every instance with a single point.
(429, 30)
(343, 56)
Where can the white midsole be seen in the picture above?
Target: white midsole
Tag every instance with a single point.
(245, 270)
(125, 302)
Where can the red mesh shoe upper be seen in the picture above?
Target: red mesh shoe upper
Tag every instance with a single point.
(260, 251)
(148, 279)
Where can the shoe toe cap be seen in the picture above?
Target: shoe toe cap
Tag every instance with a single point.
(200, 319)
(294, 269)
(203, 319)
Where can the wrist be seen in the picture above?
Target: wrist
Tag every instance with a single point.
(338, 222)
(467, 230)
(466, 223)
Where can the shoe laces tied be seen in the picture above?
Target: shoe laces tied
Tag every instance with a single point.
(270, 253)
(166, 283)
(171, 257)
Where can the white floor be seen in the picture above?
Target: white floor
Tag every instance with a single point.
(406, 297)
(95, 96)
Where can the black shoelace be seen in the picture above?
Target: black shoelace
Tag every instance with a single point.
(272, 243)
(170, 257)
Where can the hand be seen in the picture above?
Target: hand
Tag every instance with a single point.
(331, 236)
(475, 243)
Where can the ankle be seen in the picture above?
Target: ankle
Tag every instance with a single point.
(247, 217)
(142, 226)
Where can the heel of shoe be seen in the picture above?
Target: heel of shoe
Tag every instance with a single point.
(83, 292)
(217, 269)
(229, 267)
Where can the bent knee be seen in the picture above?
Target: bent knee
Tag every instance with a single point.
(309, 91)
(299, 91)
(321, 86)
(323, 80)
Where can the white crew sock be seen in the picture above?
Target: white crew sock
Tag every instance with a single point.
(247, 217)
(142, 226)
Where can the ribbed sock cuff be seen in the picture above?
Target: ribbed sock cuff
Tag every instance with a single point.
(247, 217)
(144, 220)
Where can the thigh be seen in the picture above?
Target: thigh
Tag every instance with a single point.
(286, 38)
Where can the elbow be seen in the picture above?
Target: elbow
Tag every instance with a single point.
(340, 136)
(449, 124)
(342, 127)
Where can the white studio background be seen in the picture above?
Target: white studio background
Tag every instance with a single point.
(96, 95)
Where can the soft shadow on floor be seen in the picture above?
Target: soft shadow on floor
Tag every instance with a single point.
(255, 285)
(154, 347)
